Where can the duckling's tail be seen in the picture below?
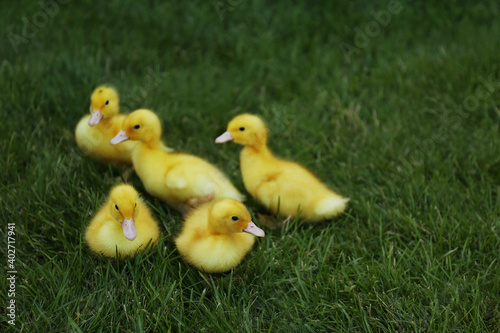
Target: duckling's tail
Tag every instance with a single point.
(235, 195)
(331, 206)
(166, 148)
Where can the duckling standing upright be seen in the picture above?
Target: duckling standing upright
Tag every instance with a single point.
(94, 131)
(124, 224)
(217, 235)
(183, 181)
(279, 184)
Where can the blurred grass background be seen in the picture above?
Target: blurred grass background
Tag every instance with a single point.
(406, 126)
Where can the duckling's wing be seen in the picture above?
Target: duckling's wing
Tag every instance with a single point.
(269, 188)
(190, 181)
(176, 180)
(291, 183)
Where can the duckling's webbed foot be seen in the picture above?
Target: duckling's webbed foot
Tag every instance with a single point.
(127, 171)
(273, 222)
(195, 202)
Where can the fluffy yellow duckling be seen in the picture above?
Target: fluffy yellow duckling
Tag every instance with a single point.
(277, 183)
(124, 224)
(182, 180)
(94, 131)
(217, 235)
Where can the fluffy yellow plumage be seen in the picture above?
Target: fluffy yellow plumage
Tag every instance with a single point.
(277, 182)
(181, 180)
(217, 235)
(123, 224)
(94, 131)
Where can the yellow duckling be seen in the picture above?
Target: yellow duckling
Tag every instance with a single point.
(217, 235)
(279, 184)
(182, 180)
(94, 131)
(124, 224)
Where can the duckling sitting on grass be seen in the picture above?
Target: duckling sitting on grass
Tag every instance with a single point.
(123, 225)
(217, 235)
(94, 131)
(183, 181)
(279, 184)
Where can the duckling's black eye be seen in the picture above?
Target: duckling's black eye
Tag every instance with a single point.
(116, 206)
(137, 126)
(242, 129)
(234, 218)
(107, 102)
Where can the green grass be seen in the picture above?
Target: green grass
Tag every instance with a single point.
(416, 251)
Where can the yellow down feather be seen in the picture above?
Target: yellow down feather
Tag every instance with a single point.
(216, 236)
(94, 131)
(278, 183)
(123, 225)
(177, 178)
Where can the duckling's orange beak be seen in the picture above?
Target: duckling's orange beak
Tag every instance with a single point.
(120, 137)
(254, 230)
(95, 118)
(224, 137)
(129, 230)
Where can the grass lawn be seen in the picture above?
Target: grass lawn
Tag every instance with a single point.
(393, 104)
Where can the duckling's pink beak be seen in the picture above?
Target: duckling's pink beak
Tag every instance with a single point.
(224, 137)
(129, 230)
(95, 118)
(254, 230)
(120, 137)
